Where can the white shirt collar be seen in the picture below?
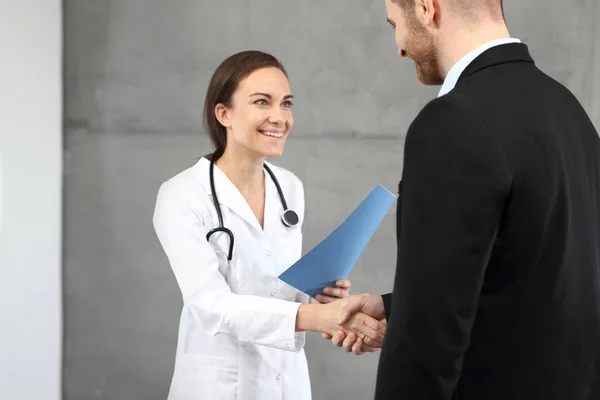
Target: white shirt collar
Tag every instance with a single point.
(460, 66)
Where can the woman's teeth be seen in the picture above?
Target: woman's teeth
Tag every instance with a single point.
(272, 134)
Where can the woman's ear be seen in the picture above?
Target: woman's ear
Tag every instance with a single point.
(222, 115)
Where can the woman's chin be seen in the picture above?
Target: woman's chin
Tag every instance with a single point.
(272, 151)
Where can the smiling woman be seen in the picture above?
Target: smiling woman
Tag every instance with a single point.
(242, 330)
(250, 91)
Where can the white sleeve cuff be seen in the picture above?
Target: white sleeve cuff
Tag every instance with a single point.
(262, 321)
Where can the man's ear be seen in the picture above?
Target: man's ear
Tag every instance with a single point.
(222, 114)
(427, 11)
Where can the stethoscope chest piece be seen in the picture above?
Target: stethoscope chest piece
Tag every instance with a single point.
(290, 218)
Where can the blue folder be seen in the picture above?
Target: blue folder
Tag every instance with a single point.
(334, 257)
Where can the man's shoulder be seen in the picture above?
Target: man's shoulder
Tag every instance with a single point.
(453, 112)
(446, 105)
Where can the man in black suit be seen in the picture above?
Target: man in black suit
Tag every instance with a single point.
(497, 287)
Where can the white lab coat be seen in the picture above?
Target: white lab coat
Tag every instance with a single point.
(237, 338)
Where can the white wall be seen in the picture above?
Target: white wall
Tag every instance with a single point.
(30, 199)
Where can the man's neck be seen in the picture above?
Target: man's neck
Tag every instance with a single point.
(243, 170)
(460, 39)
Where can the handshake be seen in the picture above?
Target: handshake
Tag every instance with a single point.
(356, 323)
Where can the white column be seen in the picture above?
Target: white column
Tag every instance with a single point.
(30, 199)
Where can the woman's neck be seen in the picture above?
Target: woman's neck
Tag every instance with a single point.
(243, 170)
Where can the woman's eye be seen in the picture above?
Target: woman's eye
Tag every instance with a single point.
(260, 102)
(287, 104)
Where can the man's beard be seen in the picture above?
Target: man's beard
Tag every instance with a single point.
(420, 47)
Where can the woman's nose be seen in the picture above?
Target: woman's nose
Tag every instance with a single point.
(277, 118)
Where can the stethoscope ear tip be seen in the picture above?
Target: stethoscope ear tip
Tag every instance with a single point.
(290, 218)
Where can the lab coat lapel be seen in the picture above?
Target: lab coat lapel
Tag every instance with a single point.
(229, 196)
(273, 207)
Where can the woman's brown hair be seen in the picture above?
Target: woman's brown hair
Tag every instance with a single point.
(223, 85)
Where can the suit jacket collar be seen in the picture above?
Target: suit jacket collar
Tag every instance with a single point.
(458, 68)
(506, 53)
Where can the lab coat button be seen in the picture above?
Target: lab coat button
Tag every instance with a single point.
(272, 294)
(278, 377)
(269, 254)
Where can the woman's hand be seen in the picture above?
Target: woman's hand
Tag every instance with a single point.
(342, 291)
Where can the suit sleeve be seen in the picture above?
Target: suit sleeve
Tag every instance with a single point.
(387, 304)
(251, 319)
(455, 182)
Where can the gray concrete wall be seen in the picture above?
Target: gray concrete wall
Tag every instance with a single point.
(136, 72)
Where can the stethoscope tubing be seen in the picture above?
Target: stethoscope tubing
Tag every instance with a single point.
(289, 218)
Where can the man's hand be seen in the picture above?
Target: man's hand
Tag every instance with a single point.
(371, 305)
(325, 318)
(368, 303)
(357, 327)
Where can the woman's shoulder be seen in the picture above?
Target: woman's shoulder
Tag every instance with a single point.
(183, 187)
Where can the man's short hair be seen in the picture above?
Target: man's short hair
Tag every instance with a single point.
(466, 7)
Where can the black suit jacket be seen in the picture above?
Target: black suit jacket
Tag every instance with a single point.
(497, 288)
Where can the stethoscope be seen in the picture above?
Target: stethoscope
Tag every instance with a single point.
(289, 217)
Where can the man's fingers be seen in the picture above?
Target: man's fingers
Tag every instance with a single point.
(360, 348)
(375, 324)
(367, 349)
(326, 336)
(373, 330)
(350, 341)
(357, 348)
(372, 337)
(338, 338)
